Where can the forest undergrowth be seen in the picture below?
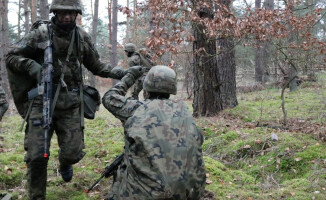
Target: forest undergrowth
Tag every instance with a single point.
(249, 152)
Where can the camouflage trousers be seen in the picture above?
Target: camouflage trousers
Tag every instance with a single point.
(124, 189)
(67, 125)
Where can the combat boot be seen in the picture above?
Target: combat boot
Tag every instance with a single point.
(66, 172)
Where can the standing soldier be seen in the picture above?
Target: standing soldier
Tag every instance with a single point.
(72, 47)
(3, 103)
(162, 154)
(140, 58)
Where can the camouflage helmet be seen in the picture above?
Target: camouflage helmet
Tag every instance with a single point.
(66, 5)
(161, 79)
(130, 47)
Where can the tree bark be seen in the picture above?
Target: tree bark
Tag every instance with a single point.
(114, 41)
(4, 43)
(258, 54)
(19, 18)
(127, 26)
(292, 67)
(33, 4)
(134, 22)
(227, 69)
(94, 37)
(207, 100)
(110, 20)
(44, 9)
(26, 14)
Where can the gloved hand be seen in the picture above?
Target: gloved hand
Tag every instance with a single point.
(136, 71)
(118, 72)
(35, 71)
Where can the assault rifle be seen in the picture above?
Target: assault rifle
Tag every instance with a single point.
(108, 171)
(45, 88)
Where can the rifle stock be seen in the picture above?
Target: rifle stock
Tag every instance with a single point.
(108, 171)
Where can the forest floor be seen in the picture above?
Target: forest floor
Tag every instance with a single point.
(249, 152)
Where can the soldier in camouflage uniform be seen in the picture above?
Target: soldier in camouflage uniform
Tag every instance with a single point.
(140, 58)
(162, 155)
(3, 103)
(25, 60)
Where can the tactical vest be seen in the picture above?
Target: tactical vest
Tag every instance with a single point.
(21, 83)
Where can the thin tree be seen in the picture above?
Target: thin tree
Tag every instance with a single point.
(114, 40)
(33, 5)
(27, 16)
(94, 36)
(44, 9)
(110, 20)
(258, 54)
(127, 25)
(134, 22)
(4, 39)
(19, 19)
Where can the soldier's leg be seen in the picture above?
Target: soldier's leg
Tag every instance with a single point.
(36, 163)
(70, 136)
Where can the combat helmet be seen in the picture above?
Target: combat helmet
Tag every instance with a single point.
(130, 47)
(66, 5)
(161, 79)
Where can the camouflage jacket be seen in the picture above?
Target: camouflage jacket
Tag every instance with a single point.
(163, 155)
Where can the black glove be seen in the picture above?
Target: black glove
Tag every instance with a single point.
(35, 71)
(118, 72)
(136, 71)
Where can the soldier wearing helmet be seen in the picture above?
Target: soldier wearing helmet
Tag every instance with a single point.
(162, 154)
(138, 58)
(72, 47)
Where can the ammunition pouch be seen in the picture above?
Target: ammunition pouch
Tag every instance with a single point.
(92, 101)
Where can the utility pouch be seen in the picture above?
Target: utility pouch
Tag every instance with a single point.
(92, 101)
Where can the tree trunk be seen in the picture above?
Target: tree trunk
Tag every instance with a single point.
(114, 33)
(44, 9)
(227, 70)
(127, 26)
(207, 100)
(292, 67)
(19, 18)
(4, 42)
(26, 13)
(134, 22)
(33, 10)
(94, 37)
(110, 20)
(258, 54)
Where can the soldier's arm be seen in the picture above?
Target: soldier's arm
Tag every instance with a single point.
(23, 54)
(114, 100)
(92, 62)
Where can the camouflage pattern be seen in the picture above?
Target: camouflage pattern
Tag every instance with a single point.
(70, 139)
(161, 79)
(135, 60)
(67, 115)
(66, 5)
(162, 154)
(3, 103)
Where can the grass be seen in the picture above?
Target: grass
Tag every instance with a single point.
(242, 160)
